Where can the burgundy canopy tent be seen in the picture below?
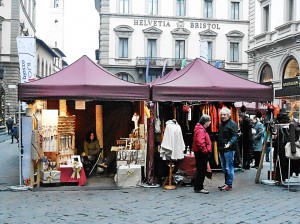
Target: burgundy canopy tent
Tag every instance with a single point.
(199, 81)
(169, 76)
(83, 80)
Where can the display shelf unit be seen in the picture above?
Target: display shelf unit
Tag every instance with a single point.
(66, 139)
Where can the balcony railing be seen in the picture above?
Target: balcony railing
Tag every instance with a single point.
(172, 62)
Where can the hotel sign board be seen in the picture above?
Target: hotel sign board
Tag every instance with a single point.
(293, 82)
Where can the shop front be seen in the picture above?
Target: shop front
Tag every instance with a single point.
(199, 89)
(67, 105)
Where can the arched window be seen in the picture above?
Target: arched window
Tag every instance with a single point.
(266, 74)
(291, 69)
(125, 76)
(42, 71)
(38, 66)
(46, 69)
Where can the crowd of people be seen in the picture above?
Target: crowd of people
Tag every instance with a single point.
(245, 141)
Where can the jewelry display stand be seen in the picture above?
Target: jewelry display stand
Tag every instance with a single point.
(66, 139)
(169, 180)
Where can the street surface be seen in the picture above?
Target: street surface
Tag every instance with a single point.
(247, 203)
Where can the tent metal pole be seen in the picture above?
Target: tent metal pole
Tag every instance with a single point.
(20, 144)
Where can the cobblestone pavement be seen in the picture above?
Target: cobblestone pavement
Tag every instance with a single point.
(247, 203)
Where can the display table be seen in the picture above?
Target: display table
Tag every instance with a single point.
(188, 165)
(66, 173)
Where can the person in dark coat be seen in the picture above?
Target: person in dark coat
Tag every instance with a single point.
(14, 133)
(9, 124)
(227, 140)
(245, 139)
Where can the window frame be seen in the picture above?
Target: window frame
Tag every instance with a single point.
(122, 53)
(232, 56)
(151, 41)
(179, 48)
(266, 12)
(178, 7)
(123, 32)
(149, 5)
(123, 10)
(235, 37)
(233, 9)
(205, 9)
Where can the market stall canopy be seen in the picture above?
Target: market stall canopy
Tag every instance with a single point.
(83, 80)
(199, 81)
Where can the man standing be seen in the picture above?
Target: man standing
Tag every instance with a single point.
(227, 139)
(258, 135)
(9, 124)
(246, 139)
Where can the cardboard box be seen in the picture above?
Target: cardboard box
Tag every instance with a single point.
(128, 176)
(50, 176)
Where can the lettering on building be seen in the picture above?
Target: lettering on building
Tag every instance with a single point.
(290, 83)
(163, 23)
(213, 26)
(149, 22)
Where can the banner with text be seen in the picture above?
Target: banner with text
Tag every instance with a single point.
(27, 58)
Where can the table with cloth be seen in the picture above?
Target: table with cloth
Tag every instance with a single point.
(66, 173)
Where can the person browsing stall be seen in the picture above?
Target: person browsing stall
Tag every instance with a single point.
(227, 139)
(257, 136)
(201, 147)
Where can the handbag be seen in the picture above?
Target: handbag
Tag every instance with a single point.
(289, 154)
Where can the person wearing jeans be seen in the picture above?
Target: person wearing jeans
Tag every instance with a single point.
(227, 139)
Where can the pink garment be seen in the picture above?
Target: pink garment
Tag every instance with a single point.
(172, 146)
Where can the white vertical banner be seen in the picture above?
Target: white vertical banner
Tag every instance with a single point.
(204, 50)
(27, 58)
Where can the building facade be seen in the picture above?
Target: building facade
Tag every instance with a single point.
(140, 40)
(18, 18)
(274, 49)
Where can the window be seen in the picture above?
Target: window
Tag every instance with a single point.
(266, 74)
(291, 69)
(234, 38)
(123, 76)
(209, 50)
(234, 52)
(266, 18)
(38, 66)
(152, 77)
(152, 48)
(208, 9)
(42, 69)
(123, 41)
(152, 7)
(235, 10)
(290, 10)
(179, 49)
(124, 6)
(46, 69)
(56, 4)
(123, 47)
(180, 7)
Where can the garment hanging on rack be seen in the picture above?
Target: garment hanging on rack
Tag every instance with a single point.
(172, 146)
